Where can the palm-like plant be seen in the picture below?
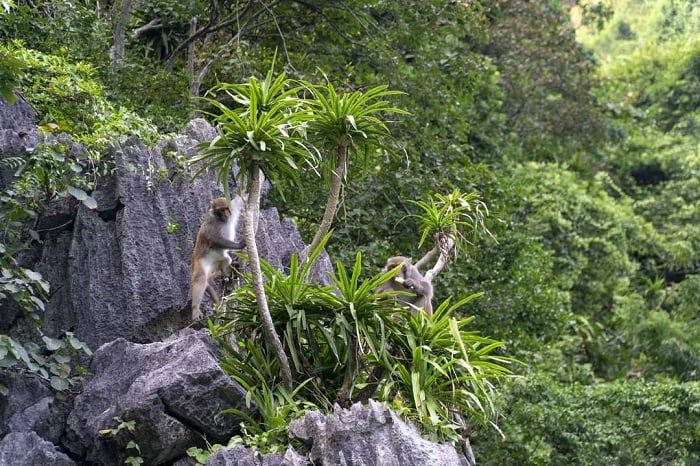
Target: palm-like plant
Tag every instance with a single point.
(327, 329)
(345, 124)
(447, 218)
(347, 343)
(260, 135)
(443, 370)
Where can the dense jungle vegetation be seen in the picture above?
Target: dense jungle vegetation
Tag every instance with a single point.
(578, 122)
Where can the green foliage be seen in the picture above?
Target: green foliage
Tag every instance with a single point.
(452, 215)
(442, 368)
(200, 455)
(348, 343)
(349, 119)
(10, 67)
(70, 98)
(547, 79)
(47, 173)
(26, 290)
(263, 131)
(123, 430)
(592, 181)
(624, 422)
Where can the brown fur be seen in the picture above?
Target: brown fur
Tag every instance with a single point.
(413, 282)
(210, 258)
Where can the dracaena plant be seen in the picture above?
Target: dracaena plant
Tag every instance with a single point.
(261, 135)
(344, 125)
(449, 219)
(326, 329)
(442, 370)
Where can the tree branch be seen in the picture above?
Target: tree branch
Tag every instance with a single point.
(152, 25)
(210, 29)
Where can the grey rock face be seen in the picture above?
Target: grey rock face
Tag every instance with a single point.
(28, 449)
(31, 406)
(369, 436)
(128, 263)
(122, 270)
(17, 133)
(241, 456)
(174, 391)
(360, 436)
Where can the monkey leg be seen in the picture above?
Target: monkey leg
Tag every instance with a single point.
(424, 304)
(199, 285)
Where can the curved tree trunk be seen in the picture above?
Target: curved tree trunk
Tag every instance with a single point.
(273, 340)
(332, 202)
(350, 372)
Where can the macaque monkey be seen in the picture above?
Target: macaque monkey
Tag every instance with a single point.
(211, 249)
(409, 279)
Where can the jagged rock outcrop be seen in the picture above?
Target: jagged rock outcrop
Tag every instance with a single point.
(28, 449)
(121, 272)
(31, 406)
(18, 134)
(367, 436)
(174, 391)
(371, 435)
(241, 456)
(122, 269)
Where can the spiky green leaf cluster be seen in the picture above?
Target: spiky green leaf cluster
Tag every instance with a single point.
(347, 341)
(263, 128)
(351, 119)
(452, 214)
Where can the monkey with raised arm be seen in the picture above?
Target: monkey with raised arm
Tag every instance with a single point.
(210, 256)
(411, 280)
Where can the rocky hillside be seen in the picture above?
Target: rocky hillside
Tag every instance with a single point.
(119, 276)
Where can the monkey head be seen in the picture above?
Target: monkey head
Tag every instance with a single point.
(220, 209)
(393, 262)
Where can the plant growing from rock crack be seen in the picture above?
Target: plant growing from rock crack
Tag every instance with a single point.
(342, 125)
(133, 450)
(348, 343)
(28, 290)
(261, 135)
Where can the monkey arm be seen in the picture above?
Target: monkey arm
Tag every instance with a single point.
(218, 241)
(421, 286)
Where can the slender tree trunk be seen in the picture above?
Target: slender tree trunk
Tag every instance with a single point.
(190, 57)
(120, 15)
(333, 198)
(271, 336)
(350, 372)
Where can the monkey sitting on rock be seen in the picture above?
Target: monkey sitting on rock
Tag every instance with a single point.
(210, 257)
(411, 280)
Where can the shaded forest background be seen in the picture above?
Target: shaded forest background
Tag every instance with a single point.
(578, 122)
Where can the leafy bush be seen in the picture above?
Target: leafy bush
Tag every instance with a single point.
(27, 290)
(69, 97)
(622, 422)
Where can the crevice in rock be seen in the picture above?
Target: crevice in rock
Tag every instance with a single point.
(181, 419)
(110, 215)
